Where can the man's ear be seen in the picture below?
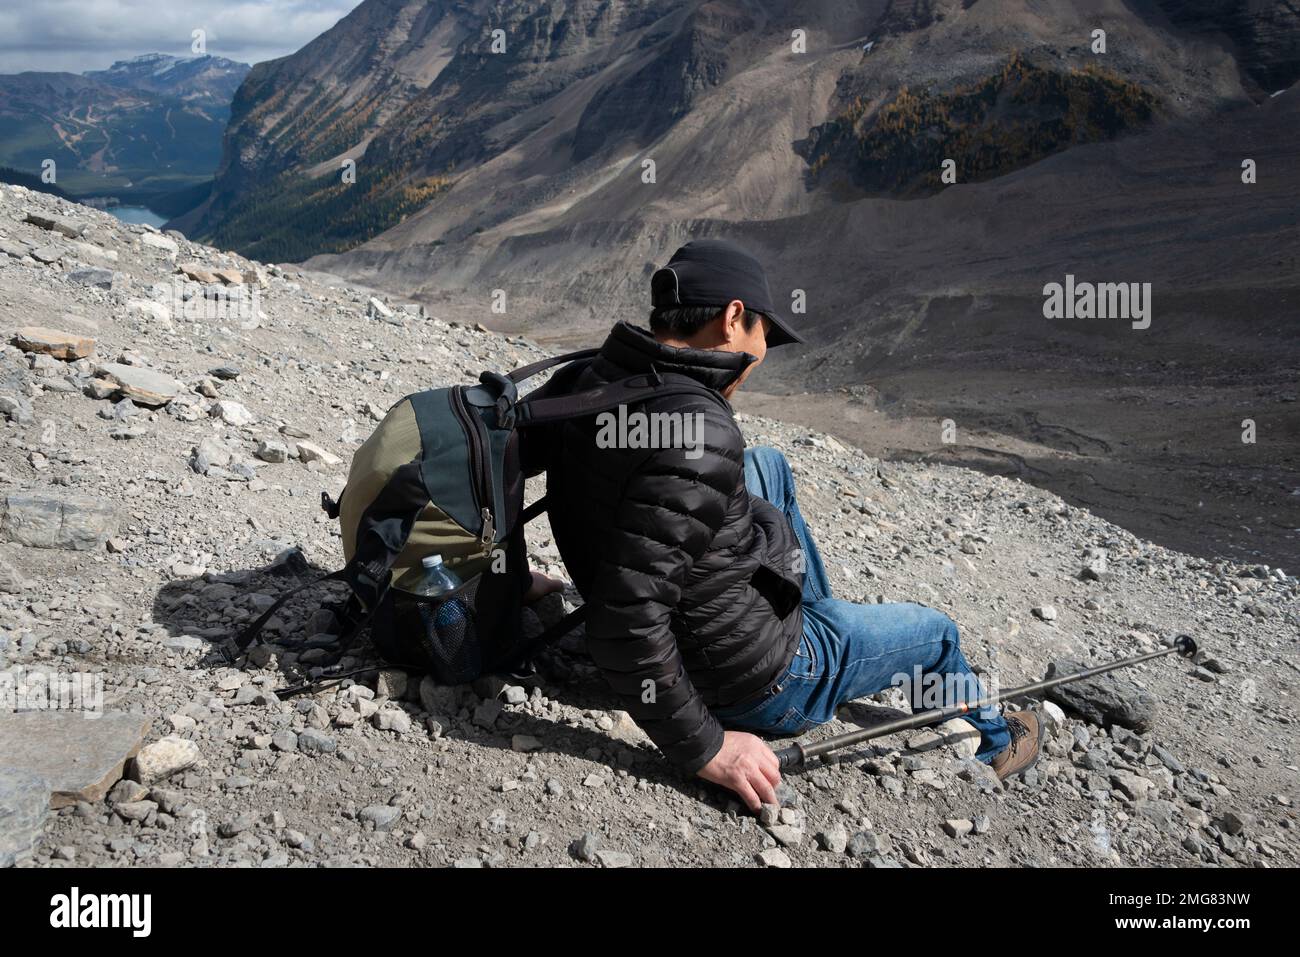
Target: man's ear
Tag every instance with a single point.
(733, 320)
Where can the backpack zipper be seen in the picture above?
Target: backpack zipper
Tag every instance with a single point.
(480, 484)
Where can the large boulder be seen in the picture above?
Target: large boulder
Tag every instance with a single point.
(1106, 700)
(44, 520)
(57, 224)
(54, 342)
(79, 754)
(142, 386)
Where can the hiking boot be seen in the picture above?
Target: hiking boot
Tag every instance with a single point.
(1026, 741)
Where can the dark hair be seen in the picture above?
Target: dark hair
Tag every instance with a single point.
(682, 322)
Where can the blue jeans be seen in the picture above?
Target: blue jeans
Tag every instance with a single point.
(849, 651)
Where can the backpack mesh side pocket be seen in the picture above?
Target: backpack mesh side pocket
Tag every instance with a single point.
(438, 635)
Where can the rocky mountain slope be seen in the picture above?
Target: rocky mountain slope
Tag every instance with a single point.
(166, 437)
(1264, 36)
(475, 121)
(151, 121)
(207, 80)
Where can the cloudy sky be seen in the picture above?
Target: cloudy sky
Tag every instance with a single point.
(78, 35)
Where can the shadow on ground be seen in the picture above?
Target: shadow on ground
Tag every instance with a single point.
(298, 643)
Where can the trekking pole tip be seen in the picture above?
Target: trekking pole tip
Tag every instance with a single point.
(1186, 646)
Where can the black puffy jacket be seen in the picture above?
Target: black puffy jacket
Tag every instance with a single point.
(692, 583)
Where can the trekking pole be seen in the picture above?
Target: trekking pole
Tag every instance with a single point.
(797, 755)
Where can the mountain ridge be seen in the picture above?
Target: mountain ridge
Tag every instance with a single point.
(155, 121)
(580, 86)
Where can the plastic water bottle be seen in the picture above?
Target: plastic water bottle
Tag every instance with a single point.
(438, 578)
(447, 624)
(450, 618)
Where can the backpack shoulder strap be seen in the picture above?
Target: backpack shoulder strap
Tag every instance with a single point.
(541, 365)
(636, 388)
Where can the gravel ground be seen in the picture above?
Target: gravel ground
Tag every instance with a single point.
(139, 533)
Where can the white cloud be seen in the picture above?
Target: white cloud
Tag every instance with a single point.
(79, 35)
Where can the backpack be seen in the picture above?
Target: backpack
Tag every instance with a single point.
(443, 473)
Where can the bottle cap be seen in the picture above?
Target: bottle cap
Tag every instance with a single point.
(431, 561)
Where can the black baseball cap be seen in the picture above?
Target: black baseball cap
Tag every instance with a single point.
(713, 272)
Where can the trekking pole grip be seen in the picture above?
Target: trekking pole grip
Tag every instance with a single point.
(790, 757)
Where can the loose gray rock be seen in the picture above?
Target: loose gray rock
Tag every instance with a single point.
(232, 413)
(382, 816)
(158, 241)
(92, 276)
(125, 792)
(786, 835)
(1094, 565)
(585, 847)
(162, 759)
(49, 253)
(236, 826)
(438, 699)
(17, 409)
(487, 712)
(958, 827)
(12, 581)
(1232, 822)
(316, 741)
(835, 840)
(272, 451)
(1052, 715)
(44, 520)
(1134, 786)
(1108, 699)
(774, 857)
(24, 804)
(143, 386)
(135, 810)
(79, 757)
(960, 736)
(864, 844)
(54, 342)
(58, 224)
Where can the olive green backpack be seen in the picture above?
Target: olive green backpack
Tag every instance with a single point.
(444, 473)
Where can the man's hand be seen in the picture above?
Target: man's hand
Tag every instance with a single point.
(747, 766)
(541, 586)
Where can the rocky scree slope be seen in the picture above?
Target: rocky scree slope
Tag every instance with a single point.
(159, 467)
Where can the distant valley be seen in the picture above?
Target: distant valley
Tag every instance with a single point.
(147, 130)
